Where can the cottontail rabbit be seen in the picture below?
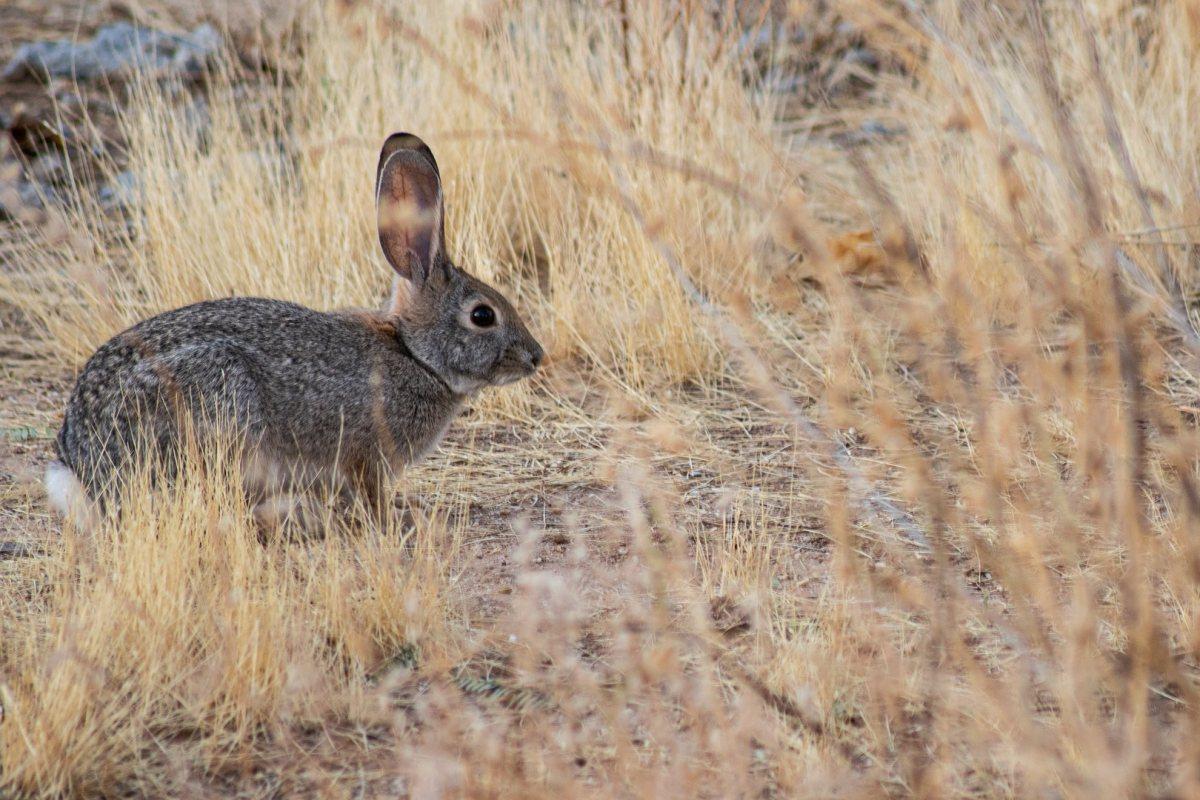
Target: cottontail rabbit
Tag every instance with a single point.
(347, 397)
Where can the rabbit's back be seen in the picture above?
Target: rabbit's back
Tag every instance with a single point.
(302, 386)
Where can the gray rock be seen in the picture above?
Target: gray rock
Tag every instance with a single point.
(19, 201)
(33, 195)
(197, 117)
(116, 51)
(119, 193)
(862, 57)
(18, 550)
(48, 168)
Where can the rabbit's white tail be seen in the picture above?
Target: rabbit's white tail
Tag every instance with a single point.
(68, 496)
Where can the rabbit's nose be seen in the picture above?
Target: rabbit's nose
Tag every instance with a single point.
(535, 356)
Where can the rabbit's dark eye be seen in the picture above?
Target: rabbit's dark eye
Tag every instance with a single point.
(483, 316)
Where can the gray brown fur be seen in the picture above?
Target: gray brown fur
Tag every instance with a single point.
(349, 396)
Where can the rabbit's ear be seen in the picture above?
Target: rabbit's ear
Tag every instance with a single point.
(408, 201)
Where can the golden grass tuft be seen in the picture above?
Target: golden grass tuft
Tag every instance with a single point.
(178, 622)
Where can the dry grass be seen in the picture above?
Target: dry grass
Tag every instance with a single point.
(798, 511)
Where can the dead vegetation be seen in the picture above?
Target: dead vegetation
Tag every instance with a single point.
(866, 464)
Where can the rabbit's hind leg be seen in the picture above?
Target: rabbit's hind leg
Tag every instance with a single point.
(289, 513)
(278, 501)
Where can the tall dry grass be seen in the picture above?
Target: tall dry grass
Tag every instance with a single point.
(909, 516)
(178, 622)
(521, 107)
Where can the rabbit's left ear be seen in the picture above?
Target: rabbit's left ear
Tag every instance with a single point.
(408, 202)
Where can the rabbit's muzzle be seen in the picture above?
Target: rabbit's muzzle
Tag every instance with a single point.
(517, 362)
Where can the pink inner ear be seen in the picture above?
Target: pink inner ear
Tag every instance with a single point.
(409, 209)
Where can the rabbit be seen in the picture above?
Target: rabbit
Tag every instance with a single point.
(350, 397)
